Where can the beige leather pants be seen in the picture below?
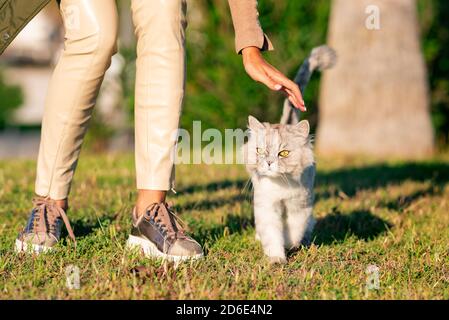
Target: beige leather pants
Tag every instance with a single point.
(91, 31)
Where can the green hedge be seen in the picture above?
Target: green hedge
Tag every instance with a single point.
(221, 94)
(434, 17)
(218, 90)
(10, 99)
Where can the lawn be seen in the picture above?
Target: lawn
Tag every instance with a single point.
(393, 215)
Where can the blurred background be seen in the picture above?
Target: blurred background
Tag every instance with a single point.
(388, 96)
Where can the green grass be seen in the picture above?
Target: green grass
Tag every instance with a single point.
(394, 215)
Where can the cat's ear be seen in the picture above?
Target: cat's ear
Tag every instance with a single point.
(254, 124)
(303, 128)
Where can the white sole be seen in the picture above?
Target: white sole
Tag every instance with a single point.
(21, 246)
(150, 250)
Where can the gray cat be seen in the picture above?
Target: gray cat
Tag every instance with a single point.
(279, 158)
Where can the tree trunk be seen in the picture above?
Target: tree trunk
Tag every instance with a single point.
(375, 101)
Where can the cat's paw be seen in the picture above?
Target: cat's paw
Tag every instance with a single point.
(277, 260)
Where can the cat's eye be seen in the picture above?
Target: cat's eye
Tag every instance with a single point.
(284, 153)
(260, 151)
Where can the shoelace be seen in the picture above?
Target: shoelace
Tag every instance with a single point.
(48, 212)
(167, 220)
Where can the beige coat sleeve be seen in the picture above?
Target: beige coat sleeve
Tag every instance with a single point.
(248, 32)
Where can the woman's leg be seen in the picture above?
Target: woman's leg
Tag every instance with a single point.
(160, 29)
(90, 41)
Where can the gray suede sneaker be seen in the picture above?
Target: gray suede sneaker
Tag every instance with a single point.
(43, 229)
(159, 234)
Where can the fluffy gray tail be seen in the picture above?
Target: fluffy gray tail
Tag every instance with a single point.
(321, 58)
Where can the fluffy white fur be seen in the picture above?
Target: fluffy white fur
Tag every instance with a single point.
(283, 186)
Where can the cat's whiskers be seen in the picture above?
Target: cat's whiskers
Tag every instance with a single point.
(247, 190)
(246, 186)
(286, 180)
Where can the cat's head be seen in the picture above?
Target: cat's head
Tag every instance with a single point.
(274, 150)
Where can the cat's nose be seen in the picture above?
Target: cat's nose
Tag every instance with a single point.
(269, 162)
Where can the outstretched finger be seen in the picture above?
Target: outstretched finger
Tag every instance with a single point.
(292, 87)
(294, 99)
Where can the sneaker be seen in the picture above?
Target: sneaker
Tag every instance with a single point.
(159, 234)
(43, 229)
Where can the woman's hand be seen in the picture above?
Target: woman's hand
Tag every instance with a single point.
(261, 71)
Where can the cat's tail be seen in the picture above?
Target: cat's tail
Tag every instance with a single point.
(321, 58)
